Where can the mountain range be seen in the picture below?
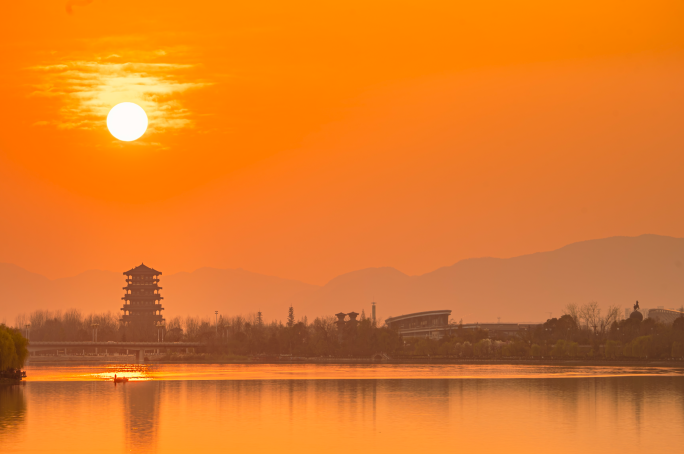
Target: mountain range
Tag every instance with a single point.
(528, 288)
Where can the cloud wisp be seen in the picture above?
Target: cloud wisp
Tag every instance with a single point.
(89, 89)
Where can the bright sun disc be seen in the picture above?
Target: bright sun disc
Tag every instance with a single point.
(127, 121)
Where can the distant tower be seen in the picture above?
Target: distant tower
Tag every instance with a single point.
(340, 325)
(373, 312)
(340, 320)
(352, 319)
(142, 301)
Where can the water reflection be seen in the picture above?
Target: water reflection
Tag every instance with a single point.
(141, 404)
(12, 410)
(563, 415)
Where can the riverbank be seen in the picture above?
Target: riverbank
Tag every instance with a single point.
(12, 376)
(10, 381)
(82, 359)
(203, 358)
(217, 359)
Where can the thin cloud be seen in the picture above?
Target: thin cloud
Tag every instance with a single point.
(90, 89)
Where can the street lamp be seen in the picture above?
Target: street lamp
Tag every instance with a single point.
(216, 313)
(160, 329)
(28, 325)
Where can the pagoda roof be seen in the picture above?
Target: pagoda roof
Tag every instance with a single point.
(142, 269)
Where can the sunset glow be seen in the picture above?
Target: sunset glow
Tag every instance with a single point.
(320, 226)
(345, 134)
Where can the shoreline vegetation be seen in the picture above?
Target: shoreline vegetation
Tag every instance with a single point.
(583, 334)
(13, 354)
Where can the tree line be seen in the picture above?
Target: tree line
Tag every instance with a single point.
(236, 335)
(582, 331)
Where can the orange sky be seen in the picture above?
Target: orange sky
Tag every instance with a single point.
(306, 139)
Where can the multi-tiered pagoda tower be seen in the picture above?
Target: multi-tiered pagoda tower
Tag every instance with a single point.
(142, 302)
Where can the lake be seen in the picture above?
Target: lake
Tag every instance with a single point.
(343, 408)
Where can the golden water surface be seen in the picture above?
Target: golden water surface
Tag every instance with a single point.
(344, 408)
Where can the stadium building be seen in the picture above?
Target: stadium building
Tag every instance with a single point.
(435, 325)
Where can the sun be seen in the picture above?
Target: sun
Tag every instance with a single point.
(127, 121)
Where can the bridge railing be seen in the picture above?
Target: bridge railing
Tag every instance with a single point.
(113, 344)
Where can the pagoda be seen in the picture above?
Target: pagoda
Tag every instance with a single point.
(142, 301)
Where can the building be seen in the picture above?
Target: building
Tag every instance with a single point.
(500, 328)
(495, 328)
(142, 301)
(666, 316)
(435, 325)
(342, 323)
(431, 324)
(643, 310)
(346, 329)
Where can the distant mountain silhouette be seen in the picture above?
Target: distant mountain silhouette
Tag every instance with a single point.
(617, 270)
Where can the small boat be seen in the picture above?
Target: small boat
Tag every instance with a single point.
(120, 380)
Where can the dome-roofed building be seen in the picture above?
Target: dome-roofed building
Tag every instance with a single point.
(636, 315)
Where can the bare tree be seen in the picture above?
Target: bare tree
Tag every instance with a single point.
(611, 316)
(21, 321)
(573, 311)
(590, 314)
(38, 318)
(192, 325)
(174, 323)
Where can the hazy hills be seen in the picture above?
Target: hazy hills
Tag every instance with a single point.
(615, 270)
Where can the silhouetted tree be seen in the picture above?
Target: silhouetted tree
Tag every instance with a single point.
(290, 317)
(13, 351)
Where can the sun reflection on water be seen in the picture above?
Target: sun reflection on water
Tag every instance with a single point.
(195, 372)
(130, 372)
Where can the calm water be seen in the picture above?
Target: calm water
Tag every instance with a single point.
(330, 408)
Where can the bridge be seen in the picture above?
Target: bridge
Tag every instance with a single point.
(138, 348)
